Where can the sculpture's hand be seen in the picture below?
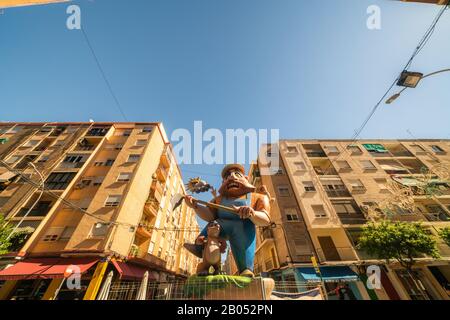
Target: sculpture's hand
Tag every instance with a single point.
(245, 212)
(200, 240)
(191, 202)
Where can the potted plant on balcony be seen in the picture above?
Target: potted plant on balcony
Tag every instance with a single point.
(134, 251)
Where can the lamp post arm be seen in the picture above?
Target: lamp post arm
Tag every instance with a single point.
(435, 73)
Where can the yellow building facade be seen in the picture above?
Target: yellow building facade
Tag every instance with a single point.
(322, 194)
(106, 205)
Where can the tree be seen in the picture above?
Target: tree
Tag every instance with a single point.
(445, 235)
(401, 241)
(5, 231)
(16, 240)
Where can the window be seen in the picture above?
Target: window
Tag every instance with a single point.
(159, 252)
(283, 191)
(279, 172)
(74, 159)
(151, 247)
(59, 181)
(354, 149)
(113, 201)
(133, 158)
(67, 233)
(98, 181)
(141, 143)
(147, 129)
(300, 166)
(331, 149)
(52, 234)
(437, 149)
(346, 207)
(99, 230)
(319, 211)
(368, 165)
(97, 132)
(417, 148)
(43, 159)
(343, 165)
(13, 159)
(309, 186)
(291, 214)
(31, 143)
(124, 177)
(357, 185)
(292, 150)
(126, 133)
(382, 184)
(109, 162)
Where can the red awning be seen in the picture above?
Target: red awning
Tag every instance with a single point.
(130, 272)
(46, 268)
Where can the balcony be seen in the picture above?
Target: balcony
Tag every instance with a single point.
(398, 151)
(97, 132)
(71, 165)
(166, 158)
(359, 189)
(151, 207)
(437, 217)
(314, 151)
(267, 234)
(338, 194)
(161, 174)
(352, 220)
(323, 167)
(84, 148)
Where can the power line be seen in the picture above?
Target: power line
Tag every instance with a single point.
(418, 49)
(102, 72)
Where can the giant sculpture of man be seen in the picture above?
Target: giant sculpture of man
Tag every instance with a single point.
(252, 209)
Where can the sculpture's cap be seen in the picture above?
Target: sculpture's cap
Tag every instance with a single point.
(230, 167)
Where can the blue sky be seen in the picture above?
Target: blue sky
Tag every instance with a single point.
(309, 68)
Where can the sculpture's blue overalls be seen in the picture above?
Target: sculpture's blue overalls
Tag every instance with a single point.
(240, 233)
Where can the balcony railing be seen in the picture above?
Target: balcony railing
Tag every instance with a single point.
(85, 148)
(267, 234)
(151, 207)
(161, 173)
(325, 171)
(71, 165)
(437, 217)
(338, 194)
(316, 154)
(402, 154)
(351, 220)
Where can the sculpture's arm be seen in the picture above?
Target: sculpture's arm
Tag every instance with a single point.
(204, 213)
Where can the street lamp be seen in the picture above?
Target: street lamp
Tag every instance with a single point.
(411, 80)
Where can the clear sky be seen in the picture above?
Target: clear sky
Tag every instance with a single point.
(309, 68)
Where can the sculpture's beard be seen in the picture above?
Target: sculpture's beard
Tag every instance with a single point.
(235, 188)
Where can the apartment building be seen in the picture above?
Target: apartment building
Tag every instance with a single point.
(20, 3)
(323, 192)
(440, 2)
(105, 207)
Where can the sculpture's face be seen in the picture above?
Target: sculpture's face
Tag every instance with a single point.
(235, 184)
(213, 230)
